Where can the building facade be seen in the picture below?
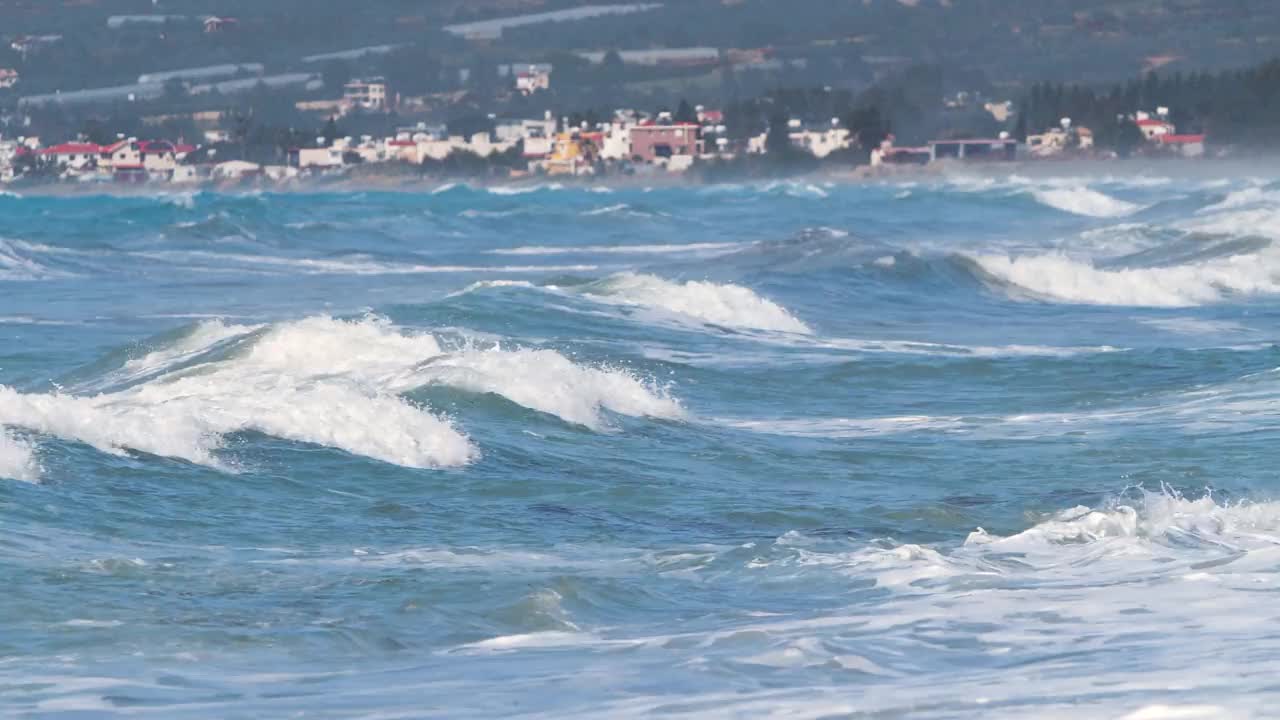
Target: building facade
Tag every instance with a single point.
(652, 142)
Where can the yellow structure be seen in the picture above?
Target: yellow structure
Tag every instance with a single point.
(574, 153)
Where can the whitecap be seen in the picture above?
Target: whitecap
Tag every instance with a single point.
(1058, 277)
(1084, 201)
(723, 304)
(329, 382)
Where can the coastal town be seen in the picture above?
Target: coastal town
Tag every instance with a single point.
(503, 116)
(631, 142)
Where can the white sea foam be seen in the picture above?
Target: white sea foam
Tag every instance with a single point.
(14, 265)
(17, 458)
(1194, 326)
(1246, 197)
(1001, 626)
(328, 382)
(489, 284)
(1245, 221)
(919, 347)
(794, 189)
(850, 427)
(546, 381)
(618, 249)
(1084, 201)
(521, 189)
(726, 305)
(185, 200)
(617, 209)
(1062, 278)
(473, 213)
(300, 381)
(29, 320)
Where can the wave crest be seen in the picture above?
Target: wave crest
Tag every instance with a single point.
(321, 380)
(1058, 277)
(1084, 201)
(726, 305)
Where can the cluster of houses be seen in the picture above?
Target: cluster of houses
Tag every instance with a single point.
(127, 160)
(1068, 140)
(629, 142)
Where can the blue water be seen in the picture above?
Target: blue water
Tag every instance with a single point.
(963, 447)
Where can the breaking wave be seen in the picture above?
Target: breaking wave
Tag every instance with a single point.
(546, 381)
(1084, 201)
(325, 381)
(1058, 277)
(725, 305)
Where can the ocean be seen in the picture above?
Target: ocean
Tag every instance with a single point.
(965, 446)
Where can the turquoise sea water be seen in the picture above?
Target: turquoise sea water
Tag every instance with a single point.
(964, 447)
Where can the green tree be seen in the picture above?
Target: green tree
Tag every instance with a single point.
(330, 131)
(868, 127)
(685, 113)
(612, 68)
(778, 140)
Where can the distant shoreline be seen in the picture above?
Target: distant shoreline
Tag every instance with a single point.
(1205, 168)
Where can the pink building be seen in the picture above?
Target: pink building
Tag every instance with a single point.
(651, 142)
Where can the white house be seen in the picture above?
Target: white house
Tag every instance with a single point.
(822, 143)
(320, 158)
(1154, 127)
(73, 155)
(236, 170)
(532, 79)
(616, 145)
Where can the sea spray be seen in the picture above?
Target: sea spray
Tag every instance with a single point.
(17, 458)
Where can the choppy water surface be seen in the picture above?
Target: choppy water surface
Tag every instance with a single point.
(955, 448)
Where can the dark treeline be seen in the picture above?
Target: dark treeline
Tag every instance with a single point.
(1240, 108)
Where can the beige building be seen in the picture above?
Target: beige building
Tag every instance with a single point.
(366, 94)
(320, 158)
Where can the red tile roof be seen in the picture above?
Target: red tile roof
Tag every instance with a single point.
(156, 146)
(1182, 139)
(71, 149)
